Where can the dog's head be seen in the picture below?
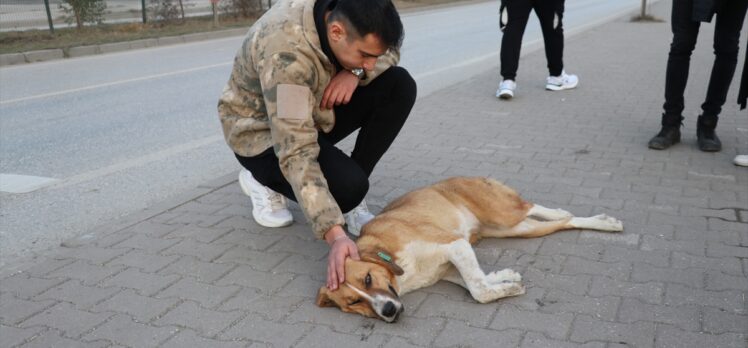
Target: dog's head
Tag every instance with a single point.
(370, 289)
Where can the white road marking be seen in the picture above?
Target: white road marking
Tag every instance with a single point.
(15, 183)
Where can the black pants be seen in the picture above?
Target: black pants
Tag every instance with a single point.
(685, 31)
(553, 35)
(379, 110)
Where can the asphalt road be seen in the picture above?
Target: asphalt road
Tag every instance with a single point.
(114, 134)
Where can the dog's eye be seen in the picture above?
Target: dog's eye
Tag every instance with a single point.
(367, 280)
(354, 302)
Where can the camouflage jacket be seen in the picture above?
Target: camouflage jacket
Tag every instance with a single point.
(272, 99)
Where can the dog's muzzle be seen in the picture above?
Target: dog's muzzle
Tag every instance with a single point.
(391, 311)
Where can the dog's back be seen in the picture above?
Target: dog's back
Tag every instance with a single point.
(448, 210)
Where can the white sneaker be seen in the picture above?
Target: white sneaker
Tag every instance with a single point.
(564, 81)
(269, 208)
(741, 160)
(506, 89)
(357, 218)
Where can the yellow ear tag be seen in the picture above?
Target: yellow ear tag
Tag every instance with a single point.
(382, 255)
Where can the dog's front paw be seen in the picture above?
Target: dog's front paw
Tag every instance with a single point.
(504, 276)
(609, 223)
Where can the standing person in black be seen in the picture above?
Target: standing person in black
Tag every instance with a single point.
(513, 21)
(686, 19)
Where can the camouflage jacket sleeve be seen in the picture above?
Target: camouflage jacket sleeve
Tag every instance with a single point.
(285, 79)
(384, 62)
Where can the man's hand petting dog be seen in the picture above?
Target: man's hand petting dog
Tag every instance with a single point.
(341, 247)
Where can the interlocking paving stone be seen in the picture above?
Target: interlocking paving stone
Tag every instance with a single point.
(553, 325)
(268, 282)
(575, 284)
(144, 261)
(14, 310)
(88, 273)
(638, 334)
(202, 251)
(22, 286)
(259, 260)
(473, 313)
(538, 340)
(82, 296)
(189, 338)
(729, 300)
(650, 292)
(146, 284)
(123, 330)
(146, 243)
(197, 233)
(321, 336)
(53, 338)
(684, 317)
(206, 272)
(719, 321)
(11, 336)
(668, 336)
(142, 308)
(276, 334)
(209, 296)
(647, 273)
(602, 308)
(205, 321)
(457, 333)
(59, 317)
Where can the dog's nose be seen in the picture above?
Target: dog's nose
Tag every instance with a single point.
(389, 309)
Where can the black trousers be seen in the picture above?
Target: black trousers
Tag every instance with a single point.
(729, 22)
(378, 111)
(553, 35)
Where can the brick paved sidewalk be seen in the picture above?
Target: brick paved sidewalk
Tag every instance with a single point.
(197, 271)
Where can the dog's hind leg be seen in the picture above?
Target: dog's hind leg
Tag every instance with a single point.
(549, 214)
(484, 288)
(531, 228)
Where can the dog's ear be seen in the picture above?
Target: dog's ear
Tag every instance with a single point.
(323, 298)
(383, 259)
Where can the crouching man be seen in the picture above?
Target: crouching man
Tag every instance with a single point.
(308, 74)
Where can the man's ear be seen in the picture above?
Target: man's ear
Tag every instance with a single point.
(337, 31)
(383, 259)
(323, 298)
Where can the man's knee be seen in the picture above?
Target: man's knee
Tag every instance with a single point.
(682, 46)
(404, 84)
(351, 190)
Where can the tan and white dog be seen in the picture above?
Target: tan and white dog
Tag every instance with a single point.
(427, 235)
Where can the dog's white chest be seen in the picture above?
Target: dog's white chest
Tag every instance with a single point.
(423, 264)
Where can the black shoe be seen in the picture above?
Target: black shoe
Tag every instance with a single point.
(667, 137)
(706, 136)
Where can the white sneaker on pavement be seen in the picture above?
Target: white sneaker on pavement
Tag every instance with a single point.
(741, 160)
(269, 208)
(357, 218)
(506, 89)
(562, 82)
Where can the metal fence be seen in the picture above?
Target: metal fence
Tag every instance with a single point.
(18, 15)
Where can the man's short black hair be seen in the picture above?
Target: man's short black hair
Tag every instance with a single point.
(378, 17)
